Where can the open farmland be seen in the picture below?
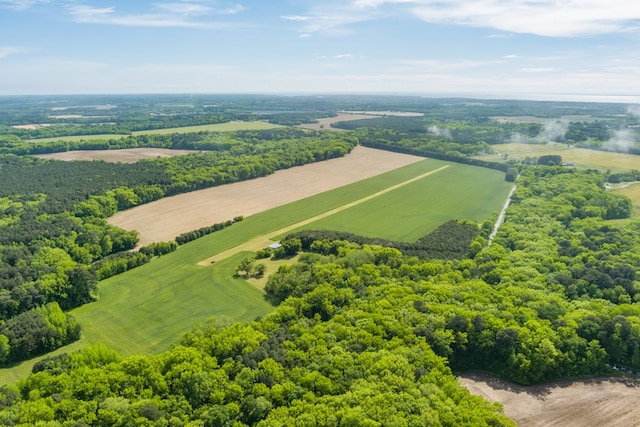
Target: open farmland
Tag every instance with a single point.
(166, 218)
(579, 156)
(219, 127)
(148, 308)
(126, 155)
(410, 212)
(611, 402)
(340, 117)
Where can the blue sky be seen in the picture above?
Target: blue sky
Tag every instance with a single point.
(538, 49)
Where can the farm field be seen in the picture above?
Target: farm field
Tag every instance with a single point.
(149, 308)
(220, 127)
(164, 219)
(580, 156)
(610, 402)
(80, 137)
(412, 211)
(126, 155)
(340, 117)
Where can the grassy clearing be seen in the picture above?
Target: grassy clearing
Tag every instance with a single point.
(79, 137)
(580, 156)
(220, 127)
(410, 212)
(632, 191)
(148, 309)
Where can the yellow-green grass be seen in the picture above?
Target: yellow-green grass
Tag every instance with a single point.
(220, 127)
(410, 212)
(79, 137)
(579, 156)
(632, 191)
(150, 308)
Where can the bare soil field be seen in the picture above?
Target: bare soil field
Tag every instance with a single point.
(126, 155)
(164, 219)
(602, 402)
(387, 113)
(341, 117)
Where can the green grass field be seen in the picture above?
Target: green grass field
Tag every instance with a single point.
(221, 127)
(410, 212)
(148, 309)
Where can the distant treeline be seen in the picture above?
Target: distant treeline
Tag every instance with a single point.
(435, 155)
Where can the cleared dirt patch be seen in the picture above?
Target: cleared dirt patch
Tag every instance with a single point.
(164, 219)
(388, 113)
(603, 402)
(126, 155)
(341, 117)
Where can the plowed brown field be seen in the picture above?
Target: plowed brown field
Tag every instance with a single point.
(164, 219)
(600, 402)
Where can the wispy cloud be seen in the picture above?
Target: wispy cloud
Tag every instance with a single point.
(6, 51)
(552, 18)
(537, 70)
(20, 4)
(436, 65)
(176, 14)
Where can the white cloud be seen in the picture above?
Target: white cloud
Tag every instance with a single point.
(344, 56)
(552, 18)
(295, 18)
(167, 15)
(436, 65)
(6, 51)
(21, 4)
(184, 8)
(537, 70)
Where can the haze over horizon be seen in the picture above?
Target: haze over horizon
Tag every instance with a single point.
(544, 49)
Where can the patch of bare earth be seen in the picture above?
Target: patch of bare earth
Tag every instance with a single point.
(340, 117)
(164, 219)
(126, 155)
(602, 402)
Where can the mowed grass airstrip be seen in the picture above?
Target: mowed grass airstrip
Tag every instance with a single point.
(148, 309)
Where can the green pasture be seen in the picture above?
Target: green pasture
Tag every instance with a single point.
(410, 212)
(220, 127)
(79, 137)
(148, 309)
